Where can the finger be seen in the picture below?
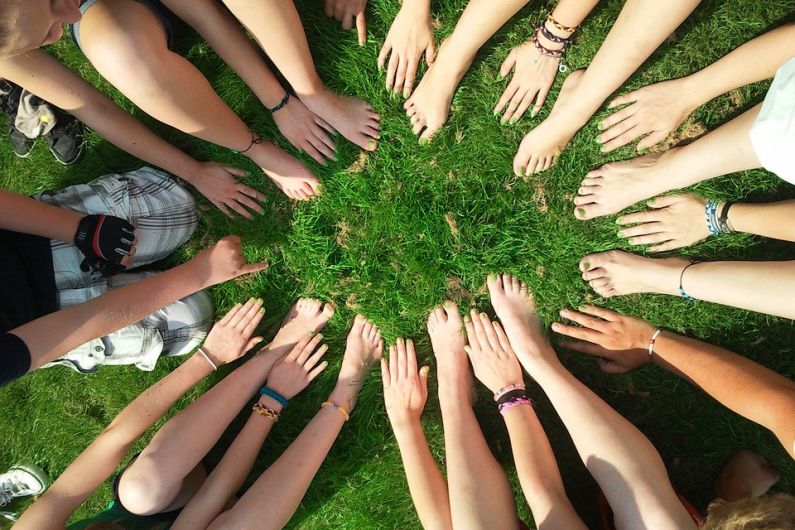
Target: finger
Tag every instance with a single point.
(245, 200)
(253, 342)
(325, 151)
(617, 130)
(310, 347)
(604, 314)
(252, 313)
(490, 334)
(507, 95)
(318, 370)
(298, 348)
(651, 239)
(400, 76)
(315, 358)
(652, 139)
(402, 359)
(382, 55)
(575, 332)
(584, 320)
(250, 268)
(361, 26)
(585, 347)
(236, 171)
(242, 312)
(411, 73)
(254, 321)
(323, 132)
(642, 229)
(230, 314)
(628, 137)
(470, 329)
(411, 358)
(624, 99)
(310, 149)
(226, 211)
(668, 245)
(430, 53)
(348, 19)
(508, 64)
(385, 374)
(480, 333)
(664, 201)
(424, 371)
(251, 192)
(616, 118)
(391, 70)
(328, 8)
(393, 360)
(648, 216)
(505, 343)
(527, 100)
(516, 100)
(609, 366)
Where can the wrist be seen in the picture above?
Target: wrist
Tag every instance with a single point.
(695, 90)
(416, 8)
(269, 402)
(403, 419)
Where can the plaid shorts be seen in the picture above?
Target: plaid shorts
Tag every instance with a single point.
(164, 216)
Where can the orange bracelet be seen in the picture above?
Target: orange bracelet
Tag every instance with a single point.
(338, 407)
(265, 412)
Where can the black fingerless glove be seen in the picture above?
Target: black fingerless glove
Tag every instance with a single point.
(104, 240)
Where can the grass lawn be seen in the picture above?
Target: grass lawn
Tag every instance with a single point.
(405, 228)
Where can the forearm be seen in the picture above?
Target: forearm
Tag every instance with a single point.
(762, 286)
(29, 216)
(98, 462)
(53, 335)
(571, 13)
(538, 471)
(747, 388)
(427, 486)
(754, 61)
(772, 220)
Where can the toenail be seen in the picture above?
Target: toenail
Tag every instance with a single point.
(423, 141)
(371, 143)
(586, 265)
(581, 212)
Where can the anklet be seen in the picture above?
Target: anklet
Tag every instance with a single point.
(206, 356)
(652, 341)
(281, 104)
(337, 407)
(255, 139)
(681, 277)
(265, 412)
(516, 402)
(283, 401)
(505, 390)
(560, 26)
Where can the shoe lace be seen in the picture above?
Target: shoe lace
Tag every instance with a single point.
(8, 490)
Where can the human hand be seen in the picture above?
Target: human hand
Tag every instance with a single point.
(217, 182)
(674, 221)
(231, 337)
(305, 130)
(493, 360)
(620, 343)
(223, 261)
(349, 12)
(409, 37)
(293, 372)
(533, 74)
(106, 242)
(405, 388)
(655, 110)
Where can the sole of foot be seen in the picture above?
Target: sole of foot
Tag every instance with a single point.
(541, 147)
(429, 106)
(307, 316)
(515, 306)
(363, 348)
(353, 118)
(287, 172)
(618, 185)
(616, 273)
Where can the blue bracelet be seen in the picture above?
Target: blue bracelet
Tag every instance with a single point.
(265, 391)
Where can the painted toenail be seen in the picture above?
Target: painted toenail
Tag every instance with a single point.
(603, 149)
(586, 265)
(371, 143)
(534, 113)
(581, 212)
(423, 141)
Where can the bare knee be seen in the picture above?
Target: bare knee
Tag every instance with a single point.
(143, 491)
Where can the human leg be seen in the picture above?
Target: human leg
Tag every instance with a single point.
(126, 42)
(277, 28)
(618, 185)
(480, 496)
(621, 459)
(429, 106)
(639, 29)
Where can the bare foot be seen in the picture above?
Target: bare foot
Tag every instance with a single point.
(541, 147)
(515, 307)
(353, 118)
(446, 328)
(363, 349)
(286, 171)
(746, 474)
(619, 185)
(616, 273)
(307, 316)
(429, 106)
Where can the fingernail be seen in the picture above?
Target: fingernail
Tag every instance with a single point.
(513, 120)
(650, 202)
(500, 76)
(262, 310)
(503, 120)
(534, 113)
(600, 126)
(603, 149)
(555, 326)
(319, 335)
(466, 318)
(620, 234)
(581, 308)
(618, 220)
(495, 112)
(424, 371)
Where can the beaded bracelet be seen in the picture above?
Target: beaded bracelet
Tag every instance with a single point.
(682, 291)
(652, 341)
(338, 407)
(560, 26)
(281, 104)
(518, 402)
(504, 390)
(283, 401)
(266, 412)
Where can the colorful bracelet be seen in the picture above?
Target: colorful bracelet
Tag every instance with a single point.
(206, 356)
(552, 37)
(338, 407)
(543, 50)
(265, 412)
(499, 393)
(511, 394)
(653, 340)
(518, 402)
(283, 401)
(560, 26)
(682, 291)
(281, 104)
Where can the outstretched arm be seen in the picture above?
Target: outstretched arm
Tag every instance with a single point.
(51, 336)
(29, 216)
(495, 365)
(749, 389)
(405, 394)
(87, 473)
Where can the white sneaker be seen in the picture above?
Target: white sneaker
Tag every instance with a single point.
(22, 481)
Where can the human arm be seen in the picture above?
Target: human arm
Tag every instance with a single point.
(410, 36)
(53, 335)
(747, 388)
(51, 80)
(89, 470)
(405, 394)
(288, 377)
(350, 13)
(534, 72)
(495, 365)
(658, 109)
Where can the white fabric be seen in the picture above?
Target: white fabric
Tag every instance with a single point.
(773, 132)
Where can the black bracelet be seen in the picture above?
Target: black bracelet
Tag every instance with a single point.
(281, 104)
(510, 396)
(552, 37)
(723, 219)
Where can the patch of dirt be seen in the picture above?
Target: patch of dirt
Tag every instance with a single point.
(360, 164)
(689, 131)
(736, 97)
(351, 303)
(451, 223)
(343, 234)
(539, 196)
(455, 289)
(541, 271)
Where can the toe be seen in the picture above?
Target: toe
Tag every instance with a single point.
(450, 309)
(358, 323)
(329, 309)
(495, 283)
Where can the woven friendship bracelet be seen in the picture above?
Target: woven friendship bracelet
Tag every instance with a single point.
(281, 104)
(556, 54)
(265, 412)
(337, 407)
(560, 26)
(517, 402)
(552, 37)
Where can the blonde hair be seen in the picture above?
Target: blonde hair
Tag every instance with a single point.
(770, 512)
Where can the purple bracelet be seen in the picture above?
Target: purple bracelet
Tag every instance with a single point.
(517, 402)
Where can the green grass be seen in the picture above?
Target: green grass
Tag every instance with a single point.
(379, 242)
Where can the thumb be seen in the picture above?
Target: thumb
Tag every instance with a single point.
(249, 268)
(253, 342)
(611, 367)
